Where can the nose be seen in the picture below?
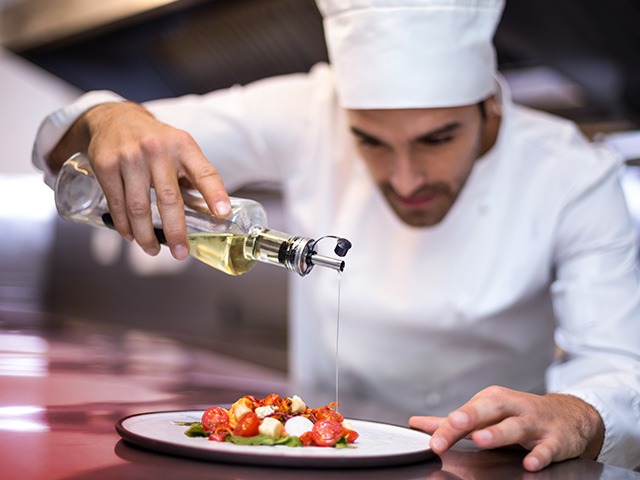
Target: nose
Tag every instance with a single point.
(406, 178)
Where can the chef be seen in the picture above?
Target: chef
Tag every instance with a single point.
(492, 289)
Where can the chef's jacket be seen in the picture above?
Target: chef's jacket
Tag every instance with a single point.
(529, 282)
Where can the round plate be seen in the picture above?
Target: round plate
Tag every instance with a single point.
(379, 444)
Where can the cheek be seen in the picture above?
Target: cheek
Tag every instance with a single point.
(378, 164)
(455, 171)
(454, 163)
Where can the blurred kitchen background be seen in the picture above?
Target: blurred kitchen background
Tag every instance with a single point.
(576, 58)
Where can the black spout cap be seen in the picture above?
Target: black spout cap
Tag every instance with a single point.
(342, 247)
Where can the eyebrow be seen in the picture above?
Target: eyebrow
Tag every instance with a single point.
(445, 129)
(365, 136)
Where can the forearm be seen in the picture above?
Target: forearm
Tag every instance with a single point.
(615, 394)
(589, 422)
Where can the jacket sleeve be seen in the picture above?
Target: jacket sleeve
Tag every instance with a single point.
(250, 133)
(597, 302)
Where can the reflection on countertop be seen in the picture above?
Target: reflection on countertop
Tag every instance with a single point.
(64, 383)
(90, 363)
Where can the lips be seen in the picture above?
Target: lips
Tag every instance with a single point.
(417, 201)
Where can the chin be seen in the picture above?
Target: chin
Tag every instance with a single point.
(420, 218)
(418, 221)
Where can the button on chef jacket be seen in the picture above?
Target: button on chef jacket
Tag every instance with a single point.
(529, 282)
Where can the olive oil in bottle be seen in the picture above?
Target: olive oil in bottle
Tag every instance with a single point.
(223, 251)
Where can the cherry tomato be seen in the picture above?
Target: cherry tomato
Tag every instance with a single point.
(350, 435)
(214, 417)
(326, 413)
(272, 399)
(248, 425)
(325, 433)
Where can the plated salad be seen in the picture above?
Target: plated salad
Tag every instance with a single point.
(274, 420)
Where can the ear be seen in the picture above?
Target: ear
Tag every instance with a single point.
(492, 107)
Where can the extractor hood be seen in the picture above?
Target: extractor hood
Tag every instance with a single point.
(36, 23)
(155, 48)
(576, 58)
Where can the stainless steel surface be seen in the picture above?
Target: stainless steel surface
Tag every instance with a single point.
(37, 22)
(324, 261)
(65, 384)
(578, 59)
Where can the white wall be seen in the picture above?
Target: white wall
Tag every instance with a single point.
(27, 95)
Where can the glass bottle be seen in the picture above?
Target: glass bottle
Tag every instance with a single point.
(233, 244)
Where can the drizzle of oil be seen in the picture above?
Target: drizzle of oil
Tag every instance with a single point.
(337, 352)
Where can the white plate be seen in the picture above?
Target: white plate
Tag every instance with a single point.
(378, 444)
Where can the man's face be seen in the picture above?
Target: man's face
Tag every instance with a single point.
(420, 158)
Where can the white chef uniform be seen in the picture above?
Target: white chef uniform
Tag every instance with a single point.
(537, 252)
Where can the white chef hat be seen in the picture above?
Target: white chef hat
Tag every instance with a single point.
(411, 53)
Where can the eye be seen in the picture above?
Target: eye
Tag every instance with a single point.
(440, 140)
(368, 142)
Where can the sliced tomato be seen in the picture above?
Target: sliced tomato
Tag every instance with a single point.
(325, 433)
(306, 439)
(248, 425)
(214, 417)
(218, 437)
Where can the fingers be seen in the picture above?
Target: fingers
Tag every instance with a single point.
(487, 408)
(110, 179)
(204, 177)
(540, 457)
(426, 424)
(131, 152)
(430, 425)
(170, 207)
(554, 427)
(456, 426)
(510, 431)
(507, 432)
(126, 185)
(139, 216)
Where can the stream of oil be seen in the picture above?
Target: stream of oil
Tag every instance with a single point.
(337, 352)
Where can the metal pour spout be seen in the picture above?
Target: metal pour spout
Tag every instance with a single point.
(324, 261)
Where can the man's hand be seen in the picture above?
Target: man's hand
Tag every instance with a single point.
(130, 152)
(554, 427)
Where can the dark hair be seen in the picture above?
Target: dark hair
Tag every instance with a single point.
(482, 105)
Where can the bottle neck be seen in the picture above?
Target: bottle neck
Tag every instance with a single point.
(278, 248)
(294, 253)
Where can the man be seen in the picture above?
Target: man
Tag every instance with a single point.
(492, 246)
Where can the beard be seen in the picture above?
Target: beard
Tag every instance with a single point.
(425, 207)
